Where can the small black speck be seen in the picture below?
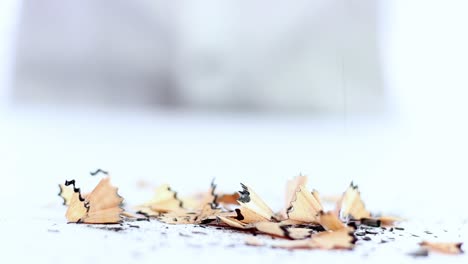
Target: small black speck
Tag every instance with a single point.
(360, 233)
(372, 231)
(184, 235)
(199, 232)
(108, 228)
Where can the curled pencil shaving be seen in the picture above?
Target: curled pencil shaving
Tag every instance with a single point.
(215, 199)
(66, 193)
(330, 221)
(262, 220)
(233, 222)
(199, 200)
(204, 216)
(305, 206)
(444, 248)
(291, 188)
(199, 209)
(304, 225)
(164, 200)
(101, 206)
(351, 207)
(206, 211)
(351, 204)
(252, 208)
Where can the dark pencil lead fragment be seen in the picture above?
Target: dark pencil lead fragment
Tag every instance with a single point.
(76, 190)
(96, 172)
(371, 222)
(207, 221)
(239, 216)
(214, 203)
(244, 194)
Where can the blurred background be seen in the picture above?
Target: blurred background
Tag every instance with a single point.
(209, 55)
(241, 91)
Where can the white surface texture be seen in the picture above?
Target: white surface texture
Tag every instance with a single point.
(45, 238)
(44, 147)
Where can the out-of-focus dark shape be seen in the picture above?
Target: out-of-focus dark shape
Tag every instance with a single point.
(239, 55)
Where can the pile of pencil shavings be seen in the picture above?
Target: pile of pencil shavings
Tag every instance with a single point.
(302, 224)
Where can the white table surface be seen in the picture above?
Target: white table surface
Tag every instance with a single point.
(42, 147)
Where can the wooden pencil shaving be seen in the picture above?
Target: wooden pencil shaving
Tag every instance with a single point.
(291, 188)
(199, 200)
(164, 200)
(233, 222)
(252, 208)
(351, 204)
(305, 206)
(101, 206)
(443, 247)
(341, 239)
(389, 220)
(330, 221)
(283, 231)
(228, 199)
(203, 216)
(301, 224)
(66, 192)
